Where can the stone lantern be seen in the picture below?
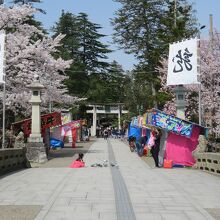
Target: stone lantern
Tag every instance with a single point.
(36, 151)
(180, 93)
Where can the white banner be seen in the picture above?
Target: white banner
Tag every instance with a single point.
(182, 64)
(2, 56)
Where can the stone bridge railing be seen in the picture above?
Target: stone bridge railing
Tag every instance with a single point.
(208, 162)
(12, 159)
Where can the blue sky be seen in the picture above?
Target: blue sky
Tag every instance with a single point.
(100, 11)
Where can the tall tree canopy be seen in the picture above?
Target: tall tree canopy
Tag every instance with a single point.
(145, 28)
(108, 87)
(82, 43)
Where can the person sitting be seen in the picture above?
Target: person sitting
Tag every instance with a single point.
(78, 163)
(80, 157)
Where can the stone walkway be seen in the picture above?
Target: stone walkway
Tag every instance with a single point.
(89, 193)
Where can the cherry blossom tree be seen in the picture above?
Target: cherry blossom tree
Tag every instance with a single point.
(210, 70)
(29, 52)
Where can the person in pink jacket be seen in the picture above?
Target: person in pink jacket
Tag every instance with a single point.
(78, 163)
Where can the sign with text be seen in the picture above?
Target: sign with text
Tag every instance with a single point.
(2, 56)
(182, 63)
(170, 123)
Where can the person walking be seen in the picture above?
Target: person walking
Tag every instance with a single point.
(105, 134)
(156, 147)
(140, 145)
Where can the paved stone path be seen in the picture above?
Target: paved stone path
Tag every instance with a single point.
(89, 193)
(124, 208)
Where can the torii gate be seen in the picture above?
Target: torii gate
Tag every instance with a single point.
(113, 108)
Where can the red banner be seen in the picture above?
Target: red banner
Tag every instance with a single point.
(47, 121)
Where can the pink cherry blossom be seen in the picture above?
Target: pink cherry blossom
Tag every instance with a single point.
(26, 58)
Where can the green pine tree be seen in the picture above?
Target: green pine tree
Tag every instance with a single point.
(92, 50)
(82, 43)
(109, 87)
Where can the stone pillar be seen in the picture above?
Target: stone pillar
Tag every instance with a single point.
(93, 132)
(119, 117)
(180, 92)
(36, 151)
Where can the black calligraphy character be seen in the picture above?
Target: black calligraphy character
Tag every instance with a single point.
(183, 59)
(187, 55)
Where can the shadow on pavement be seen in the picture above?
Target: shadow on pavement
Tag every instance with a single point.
(68, 151)
(63, 157)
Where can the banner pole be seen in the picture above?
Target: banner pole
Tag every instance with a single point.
(4, 89)
(3, 117)
(200, 78)
(3, 98)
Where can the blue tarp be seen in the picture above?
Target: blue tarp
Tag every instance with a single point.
(54, 143)
(135, 132)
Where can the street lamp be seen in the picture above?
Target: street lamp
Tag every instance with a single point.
(200, 79)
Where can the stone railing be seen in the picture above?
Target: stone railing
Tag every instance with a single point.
(12, 159)
(208, 162)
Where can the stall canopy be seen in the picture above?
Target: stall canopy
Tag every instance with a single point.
(67, 132)
(182, 135)
(134, 132)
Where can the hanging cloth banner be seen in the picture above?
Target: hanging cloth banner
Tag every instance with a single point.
(182, 63)
(2, 56)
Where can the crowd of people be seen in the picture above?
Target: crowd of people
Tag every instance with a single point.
(149, 143)
(111, 132)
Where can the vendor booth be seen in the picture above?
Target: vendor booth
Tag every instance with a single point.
(47, 120)
(68, 132)
(53, 131)
(178, 139)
